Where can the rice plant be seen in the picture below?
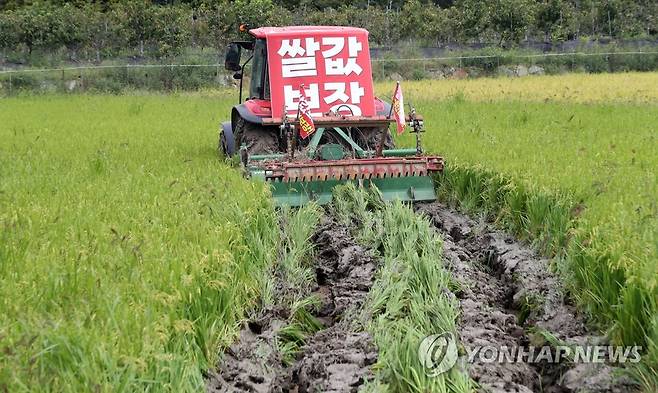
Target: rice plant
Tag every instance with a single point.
(568, 163)
(411, 296)
(618, 88)
(128, 252)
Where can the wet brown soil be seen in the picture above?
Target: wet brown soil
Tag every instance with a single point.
(507, 294)
(335, 359)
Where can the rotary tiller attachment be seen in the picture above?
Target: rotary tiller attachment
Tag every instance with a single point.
(403, 174)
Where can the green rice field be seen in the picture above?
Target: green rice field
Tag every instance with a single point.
(130, 252)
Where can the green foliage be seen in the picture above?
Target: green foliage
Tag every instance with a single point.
(160, 30)
(510, 19)
(471, 18)
(295, 270)
(102, 35)
(294, 265)
(556, 19)
(8, 31)
(171, 32)
(152, 29)
(425, 22)
(380, 23)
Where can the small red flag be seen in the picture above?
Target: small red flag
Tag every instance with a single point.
(306, 125)
(398, 108)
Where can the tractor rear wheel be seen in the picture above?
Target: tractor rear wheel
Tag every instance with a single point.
(222, 145)
(257, 139)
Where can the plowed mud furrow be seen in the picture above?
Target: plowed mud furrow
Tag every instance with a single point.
(507, 295)
(485, 298)
(506, 290)
(335, 359)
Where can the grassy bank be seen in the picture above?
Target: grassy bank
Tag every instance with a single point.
(128, 252)
(568, 172)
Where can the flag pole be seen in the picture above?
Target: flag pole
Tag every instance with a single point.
(397, 86)
(301, 91)
(289, 129)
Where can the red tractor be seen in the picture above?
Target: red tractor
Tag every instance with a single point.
(330, 68)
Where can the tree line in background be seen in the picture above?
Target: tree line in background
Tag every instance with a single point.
(82, 30)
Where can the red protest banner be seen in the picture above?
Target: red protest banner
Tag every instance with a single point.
(333, 64)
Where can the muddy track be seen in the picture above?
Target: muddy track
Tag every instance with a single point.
(507, 293)
(335, 359)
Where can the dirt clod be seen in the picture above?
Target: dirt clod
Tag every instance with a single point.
(337, 360)
(595, 378)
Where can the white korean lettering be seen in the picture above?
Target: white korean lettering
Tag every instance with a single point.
(338, 92)
(339, 67)
(337, 45)
(312, 46)
(291, 48)
(356, 92)
(300, 66)
(354, 46)
(291, 96)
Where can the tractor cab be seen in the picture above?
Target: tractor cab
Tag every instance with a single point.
(329, 68)
(331, 64)
(259, 87)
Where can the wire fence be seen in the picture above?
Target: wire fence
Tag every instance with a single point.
(531, 56)
(106, 67)
(115, 78)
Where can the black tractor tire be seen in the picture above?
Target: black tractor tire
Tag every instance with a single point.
(226, 142)
(258, 139)
(222, 150)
